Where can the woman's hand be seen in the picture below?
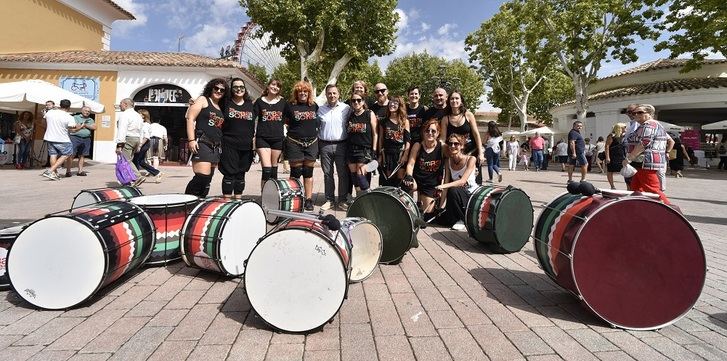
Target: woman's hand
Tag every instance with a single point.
(193, 146)
(481, 158)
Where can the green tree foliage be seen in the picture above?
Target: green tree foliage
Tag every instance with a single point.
(330, 32)
(586, 33)
(370, 73)
(512, 54)
(258, 71)
(696, 27)
(554, 90)
(429, 72)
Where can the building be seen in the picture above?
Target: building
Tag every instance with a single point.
(688, 99)
(68, 45)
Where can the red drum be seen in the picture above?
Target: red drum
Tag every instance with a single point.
(168, 212)
(63, 259)
(91, 196)
(219, 235)
(636, 263)
(297, 276)
(7, 238)
(283, 195)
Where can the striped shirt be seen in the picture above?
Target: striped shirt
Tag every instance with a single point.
(654, 139)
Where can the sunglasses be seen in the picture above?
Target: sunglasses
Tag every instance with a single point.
(380, 91)
(219, 90)
(238, 87)
(639, 112)
(430, 131)
(393, 104)
(359, 100)
(453, 144)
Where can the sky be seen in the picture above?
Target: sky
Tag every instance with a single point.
(204, 26)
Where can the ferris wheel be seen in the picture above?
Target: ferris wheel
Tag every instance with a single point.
(250, 48)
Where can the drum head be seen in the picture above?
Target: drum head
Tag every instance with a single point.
(638, 264)
(513, 221)
(163, 200)
(56, 263)
(295, 280)
(245, 226)
(83, 199)
(271, 198)
(392, 219)
(366, 249)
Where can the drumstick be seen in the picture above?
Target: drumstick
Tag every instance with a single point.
(328, 220)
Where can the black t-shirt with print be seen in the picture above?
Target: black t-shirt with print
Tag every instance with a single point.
(270, 118)
(239, 126)
(302, 120)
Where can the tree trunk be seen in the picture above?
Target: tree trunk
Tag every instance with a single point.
(338, 68)
(581, 88)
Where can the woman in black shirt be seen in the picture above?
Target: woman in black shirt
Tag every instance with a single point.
(301, 148)
(269, 109)
(425, 169)
(393, 142)
(204, 131)
(362, 140)
(237, 135)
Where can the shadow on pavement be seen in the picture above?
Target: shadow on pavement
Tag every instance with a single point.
(703, 219)
(712, 201)
(719, 319)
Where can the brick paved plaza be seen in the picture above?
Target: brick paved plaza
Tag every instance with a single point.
(449, 299)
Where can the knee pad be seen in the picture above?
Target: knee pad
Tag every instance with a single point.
(239, 186)
(307, 172)
(274, 172)
(296, 172)
(267, 173)
(199, 185)
(227, 185)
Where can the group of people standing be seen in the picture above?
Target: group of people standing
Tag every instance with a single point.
(136, 134)
(65, 136)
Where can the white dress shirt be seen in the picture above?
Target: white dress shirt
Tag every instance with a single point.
(334, 121)
(128, 124)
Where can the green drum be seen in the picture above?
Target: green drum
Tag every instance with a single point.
(396, 215)
(501, 218)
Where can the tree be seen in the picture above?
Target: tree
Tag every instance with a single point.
(336, 32)
(428, 72)
(556, 89)
(585, 33)
(370, 73)
(258, 71)
(696, 27)
(511, 53)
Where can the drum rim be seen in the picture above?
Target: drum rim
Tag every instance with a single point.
(92, 190)
(183, 233)
(380, 250)
(277, 182)
(238, 206)
(467, 212)
(346, 280)
(510, 191)
(104, 274)
(192, 200)
(575, 280)
(537, 241)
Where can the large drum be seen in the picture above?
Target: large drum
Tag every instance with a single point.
(7, 238)
(501, 218)
(63, 259)
(297, 277)
(219, 235)
(363, 241)
(91, 196)
(635, 262)
(396, 215)
(168, 212)
(283, 195)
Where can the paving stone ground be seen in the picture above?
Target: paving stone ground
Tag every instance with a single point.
(449, 299)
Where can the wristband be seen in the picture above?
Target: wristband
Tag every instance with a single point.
(193, 140)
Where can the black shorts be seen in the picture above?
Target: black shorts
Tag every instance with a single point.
(563, 159)
(602, 156)
(358, 154)
(207, 153)
(235, 161)
(296, 152)
(272, 143)
(427, 185)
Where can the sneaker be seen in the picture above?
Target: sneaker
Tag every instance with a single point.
(328, 205)
(343, 206)
(68, 175)
(82, 173)
(159, 177)
(459, 226)
(308, 205)
(499, 178)
(139, 181)
(371, 166)
(48, 175)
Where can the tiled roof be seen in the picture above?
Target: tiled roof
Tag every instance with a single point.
(119, 8)
(668, 86)
(661, 64)
(120, 58)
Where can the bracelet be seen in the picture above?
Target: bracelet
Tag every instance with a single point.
(192, 140)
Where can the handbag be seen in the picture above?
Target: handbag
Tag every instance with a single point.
(672, 154)
(124, 173)
(17, 139)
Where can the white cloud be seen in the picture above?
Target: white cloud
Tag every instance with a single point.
(425, 27)
(403, 21)
(446, 29)
(123, 27)
(208, 40)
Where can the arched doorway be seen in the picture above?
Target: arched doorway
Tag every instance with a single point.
(167, 104)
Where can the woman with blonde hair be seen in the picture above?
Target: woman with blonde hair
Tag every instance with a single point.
(615, 152)
(140, 155)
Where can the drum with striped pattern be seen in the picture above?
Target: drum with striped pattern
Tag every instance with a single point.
(500, 217)
(284, 195)
(63, 259)
(91, 196)
(219, 235)
(634, 262)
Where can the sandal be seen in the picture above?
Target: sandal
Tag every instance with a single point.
(82, 174)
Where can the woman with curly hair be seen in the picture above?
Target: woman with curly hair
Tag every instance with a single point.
(204, 131)
(394, 142)
(301, 148)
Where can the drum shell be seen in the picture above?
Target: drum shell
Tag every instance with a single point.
(282, 194)
(91, 196)
(202, 234)
(634, 262)
(396, 215)
(365, 253)
(168, 219)
(499, 217)
(125, 234)
(7, 238)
